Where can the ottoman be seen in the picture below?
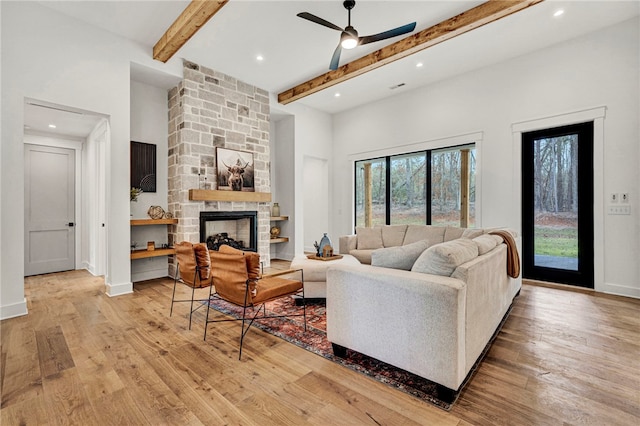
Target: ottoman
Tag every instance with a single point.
(315, 273)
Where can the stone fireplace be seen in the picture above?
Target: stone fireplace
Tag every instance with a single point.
(207, 110)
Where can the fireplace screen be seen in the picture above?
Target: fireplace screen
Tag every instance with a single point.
(236, 229)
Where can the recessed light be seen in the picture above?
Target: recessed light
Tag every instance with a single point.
(52, 126)
(558, 12)
(259, 58)
(337, 95)
(419, 65)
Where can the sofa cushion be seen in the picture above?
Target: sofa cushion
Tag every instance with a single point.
(453, 233)
(472, 233)
(401, 257)
(443, 259)
(369, 238)
(433, 234)
(486, 243)
(363, 256)
(393, 235)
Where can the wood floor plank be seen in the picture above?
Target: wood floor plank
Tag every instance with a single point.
(53, 351)
(562, 357)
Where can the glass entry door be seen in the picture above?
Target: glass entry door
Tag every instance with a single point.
(557, 204)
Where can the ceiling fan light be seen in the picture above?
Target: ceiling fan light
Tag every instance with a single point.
(349, 42)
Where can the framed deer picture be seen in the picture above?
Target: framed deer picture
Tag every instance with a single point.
(235, 170)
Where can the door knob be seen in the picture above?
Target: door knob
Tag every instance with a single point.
(71, 224)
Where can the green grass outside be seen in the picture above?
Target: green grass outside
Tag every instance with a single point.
(552, 241)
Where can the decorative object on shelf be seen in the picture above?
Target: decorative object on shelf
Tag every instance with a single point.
(235, 170)
(275, 210)
(168, 215)
(324, 241)
(133, 245)
(134, 193)
(202, 181)
(275, 231)
(155, 212)
(151, 246)
(327, 251)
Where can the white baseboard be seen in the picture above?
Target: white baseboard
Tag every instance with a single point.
(118, 289)
(14, 310)
(620, 290)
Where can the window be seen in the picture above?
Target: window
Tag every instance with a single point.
(427, 187)
(371, 192)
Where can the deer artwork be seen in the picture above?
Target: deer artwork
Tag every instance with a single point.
(235, 175)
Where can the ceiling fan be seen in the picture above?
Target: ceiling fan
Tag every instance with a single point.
(349, 37)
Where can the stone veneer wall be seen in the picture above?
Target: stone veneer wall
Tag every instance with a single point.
(209, 109)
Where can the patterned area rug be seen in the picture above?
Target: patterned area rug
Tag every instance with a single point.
(315, 340)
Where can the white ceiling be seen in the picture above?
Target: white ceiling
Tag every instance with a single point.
(296, 50)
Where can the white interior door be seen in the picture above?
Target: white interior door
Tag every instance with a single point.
(49, 209)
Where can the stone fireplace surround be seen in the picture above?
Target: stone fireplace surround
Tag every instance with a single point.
(209, 109)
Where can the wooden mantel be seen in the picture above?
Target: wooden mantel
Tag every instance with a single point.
(213, 195)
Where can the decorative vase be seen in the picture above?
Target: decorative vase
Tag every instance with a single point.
(325, 241)
(275, 210)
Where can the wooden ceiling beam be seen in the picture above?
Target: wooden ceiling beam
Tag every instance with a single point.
(471, 19)
(192, 18)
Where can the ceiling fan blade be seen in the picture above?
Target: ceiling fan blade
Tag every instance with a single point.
(317, 20)
(388, 34)
(335, 59)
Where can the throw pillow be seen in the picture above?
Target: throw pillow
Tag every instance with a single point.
(369, 238)
(485, 243)
(401, 257)
(443, 259)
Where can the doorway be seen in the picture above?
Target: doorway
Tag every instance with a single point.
(557, 205)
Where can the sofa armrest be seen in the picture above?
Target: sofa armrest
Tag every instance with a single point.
(347, 243)
(411, 320)
(490, 292)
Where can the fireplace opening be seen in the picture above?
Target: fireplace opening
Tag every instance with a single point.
(236, 229)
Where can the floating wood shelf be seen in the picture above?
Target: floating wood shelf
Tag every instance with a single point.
(142, 254)
(274, 218)
(279, 240)
(213, 195)
(142, 222)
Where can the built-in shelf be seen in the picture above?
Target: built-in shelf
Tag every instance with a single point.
(213, 195)
(143, 222)
(279, 240)
(143, 254)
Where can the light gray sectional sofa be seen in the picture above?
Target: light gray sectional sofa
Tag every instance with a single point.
(429, 303)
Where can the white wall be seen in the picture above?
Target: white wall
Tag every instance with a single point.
(312, 137)
(149, 123)
(600, 69)
(54, 58)
(282, 183)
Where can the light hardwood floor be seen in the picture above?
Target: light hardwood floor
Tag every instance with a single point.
(83, 358)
